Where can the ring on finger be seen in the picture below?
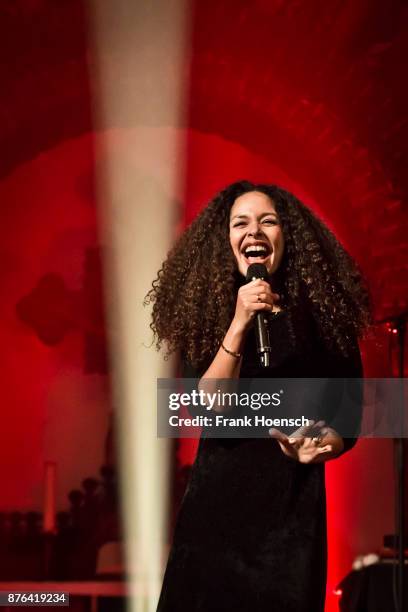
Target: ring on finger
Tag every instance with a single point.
(317, 440)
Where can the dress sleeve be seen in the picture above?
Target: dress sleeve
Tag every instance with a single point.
(348, 421)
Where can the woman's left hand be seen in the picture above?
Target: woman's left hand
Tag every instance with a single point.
(313, 443)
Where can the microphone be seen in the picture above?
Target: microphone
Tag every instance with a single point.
(261, 321)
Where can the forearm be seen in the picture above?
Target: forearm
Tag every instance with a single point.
(224, 365)
(252, 298)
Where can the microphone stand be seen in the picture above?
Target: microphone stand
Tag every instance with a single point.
(399, 323)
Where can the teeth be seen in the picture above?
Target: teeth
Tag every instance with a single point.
(257, 247)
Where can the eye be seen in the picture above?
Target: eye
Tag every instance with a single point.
(270, 221)
(239, 224)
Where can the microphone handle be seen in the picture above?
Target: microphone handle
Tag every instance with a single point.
(262, 338)
(262, 335)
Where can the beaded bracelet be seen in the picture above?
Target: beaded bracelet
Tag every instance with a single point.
(233, 353)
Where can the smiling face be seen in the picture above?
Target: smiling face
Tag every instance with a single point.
(255, 233)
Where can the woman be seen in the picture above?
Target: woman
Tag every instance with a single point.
(251, 531)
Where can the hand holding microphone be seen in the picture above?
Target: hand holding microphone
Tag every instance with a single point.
(253, 301)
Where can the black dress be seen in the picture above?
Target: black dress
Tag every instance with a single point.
(251, 531)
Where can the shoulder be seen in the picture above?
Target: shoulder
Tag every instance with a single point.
(345, 365)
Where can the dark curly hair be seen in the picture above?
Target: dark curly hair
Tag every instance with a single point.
(194, 294)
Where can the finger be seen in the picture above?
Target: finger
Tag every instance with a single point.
(284, 441)
(308, 443)
(262, 297)
(324, 449)
(268, 296)
(261, 306)
(289, 452)
(254, 287)
(296, 443)
(302, 430)
(324, 430)
(322, 433)
(296, 440)
(290, 446)
(263, 283)
(315, 430)
(266, 288)
(328, 431)
(258, 296)
(257, 283)
(279, 435)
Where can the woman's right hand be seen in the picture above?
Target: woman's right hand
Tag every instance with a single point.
(252, 298)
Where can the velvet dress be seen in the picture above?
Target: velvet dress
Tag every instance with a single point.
(251, 530)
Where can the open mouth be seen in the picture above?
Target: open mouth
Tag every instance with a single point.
(256, 253)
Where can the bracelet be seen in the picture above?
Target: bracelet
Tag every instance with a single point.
(233, 353)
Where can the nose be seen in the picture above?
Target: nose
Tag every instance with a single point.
(254, 229)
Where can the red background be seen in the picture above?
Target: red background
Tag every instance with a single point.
(309, 94)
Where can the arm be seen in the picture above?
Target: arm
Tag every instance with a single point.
(253, 297)
(347, 419)
(328, 443)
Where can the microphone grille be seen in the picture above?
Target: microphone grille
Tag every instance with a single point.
(256, 271)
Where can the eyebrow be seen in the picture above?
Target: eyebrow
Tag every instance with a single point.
(266, 214)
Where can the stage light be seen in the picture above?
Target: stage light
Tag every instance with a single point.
(140, 53)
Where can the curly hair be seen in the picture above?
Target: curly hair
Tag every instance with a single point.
(194, 294)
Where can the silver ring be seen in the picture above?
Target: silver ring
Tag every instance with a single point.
(317, 440)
